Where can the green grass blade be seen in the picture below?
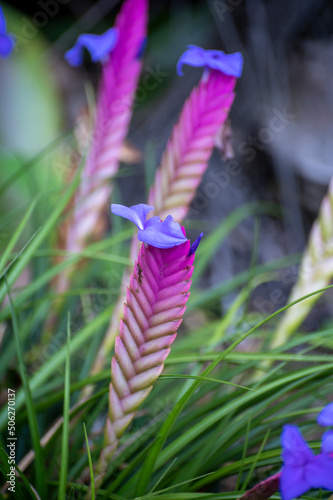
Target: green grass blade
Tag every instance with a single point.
(210, 243)
(18, 255)
(30, 163)
(163, 475)
(65, 425)
(202, 298)
(55, 361)
(92, 479)
(255, 461)
(154, 453)
(245, 447)
(204, 379)
(32, 418)
(12, 242)
(44, 231)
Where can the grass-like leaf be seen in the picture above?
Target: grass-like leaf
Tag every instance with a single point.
(32, 418)
(154, 456)
(92, 480)
(65, 426)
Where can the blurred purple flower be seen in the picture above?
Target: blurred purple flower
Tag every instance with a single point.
(302, 470)
(7, 41)
(99, 46)
(157, 233)
(325, 417)
(229, 64)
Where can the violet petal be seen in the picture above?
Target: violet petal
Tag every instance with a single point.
(99, 47)
(166, 234)
(3, 24)
(293, 483)
(136, 214)
(319, 472)
(327, 442)
(325, 417)
(229, 64)
(6, 45)
(296, 451)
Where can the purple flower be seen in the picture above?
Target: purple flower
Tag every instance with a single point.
(229, 64)
(7, 41)
(325, 417)
(302, 469)
(157, 233)
(99, 47)
(327, 442)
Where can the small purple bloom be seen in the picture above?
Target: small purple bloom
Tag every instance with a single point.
(7, 41)
(229, 64)
(327, 442)
(325, 417)
(99, 46)
(157, 233)
(302, 470)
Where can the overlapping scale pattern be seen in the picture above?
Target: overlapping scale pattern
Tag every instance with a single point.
(190, 146)
(155, 304)
(316, 271)
(183, 164)
(116, 95)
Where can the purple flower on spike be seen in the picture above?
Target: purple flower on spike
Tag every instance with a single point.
(99, 46)
(229, 64)
(302, 469)
(156, 298)
(325, 417)
(157, 233)
(7, 41)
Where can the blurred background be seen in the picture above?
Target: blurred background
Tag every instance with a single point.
(281, 119)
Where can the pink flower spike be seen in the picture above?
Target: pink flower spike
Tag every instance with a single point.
(190, 146)
(156, 302)
(182, 167)
(120, 74)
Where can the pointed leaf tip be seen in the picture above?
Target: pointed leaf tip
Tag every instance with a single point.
(195, 245)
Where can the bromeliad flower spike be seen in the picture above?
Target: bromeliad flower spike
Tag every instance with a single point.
(190, 146)
(118, 50)
(316, 271)
(186, 157)
(156, 301)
